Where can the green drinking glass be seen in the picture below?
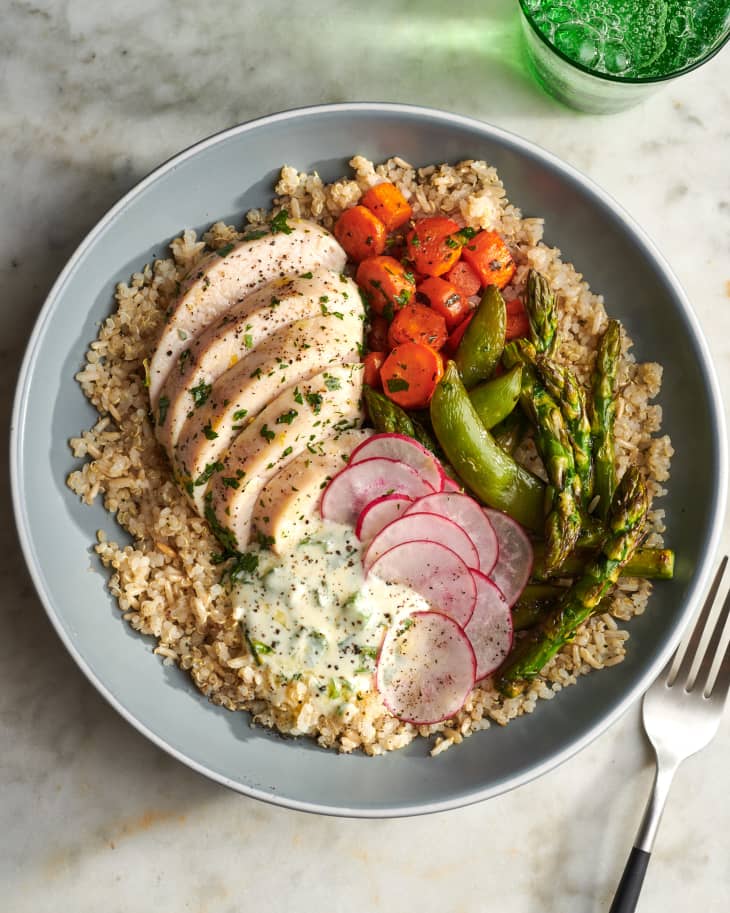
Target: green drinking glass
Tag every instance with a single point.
(603, 56)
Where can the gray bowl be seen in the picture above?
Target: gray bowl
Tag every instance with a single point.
(220, 178)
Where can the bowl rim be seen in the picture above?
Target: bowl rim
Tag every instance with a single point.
(509, 139)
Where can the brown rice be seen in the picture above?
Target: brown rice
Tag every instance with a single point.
(165, 582)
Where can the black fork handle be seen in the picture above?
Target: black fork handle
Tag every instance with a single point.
(627, 893)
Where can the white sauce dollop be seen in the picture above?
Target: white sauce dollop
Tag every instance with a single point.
(311, 613)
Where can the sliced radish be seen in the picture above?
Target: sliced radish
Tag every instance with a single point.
(359, 484)
(516, 557)
(403, 448)
(414, 527)
(379, 513)
(426, 668)
(434, 571)
(468, 514)
(451, 484)
(490, 627)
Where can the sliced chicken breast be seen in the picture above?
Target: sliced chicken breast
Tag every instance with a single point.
(277, 304)
(294, 353)
(315, 409)
(225, 277)
(289, 503)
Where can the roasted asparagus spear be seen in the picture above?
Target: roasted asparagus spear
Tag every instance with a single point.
(625, 530)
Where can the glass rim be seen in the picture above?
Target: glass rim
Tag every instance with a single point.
(622, 80)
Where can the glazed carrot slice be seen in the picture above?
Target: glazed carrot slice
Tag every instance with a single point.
(387, 284)
(373, 362)
(452, 343)
(360, 233)
(444, 299)
(378, 335)
(388, 204)
(431, 246)
(487, 253)
(464, 279)
(417, 323)
(518, 324)
(410, 375)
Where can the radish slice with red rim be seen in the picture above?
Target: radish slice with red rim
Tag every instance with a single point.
(516, 556)
(490, 627)
(471, 518)
(435, 572)
(358, 484)
(451, 484)
(426, 668)
(379, 513)
(413, 527)
(406, 450)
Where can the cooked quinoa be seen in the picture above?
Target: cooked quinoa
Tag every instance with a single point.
(165, 581)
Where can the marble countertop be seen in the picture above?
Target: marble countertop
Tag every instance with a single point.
(92, 813)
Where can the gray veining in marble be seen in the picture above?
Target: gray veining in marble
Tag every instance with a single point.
(94, 96)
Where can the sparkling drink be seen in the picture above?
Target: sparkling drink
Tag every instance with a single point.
(620, 41)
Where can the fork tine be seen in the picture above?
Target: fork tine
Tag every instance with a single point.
(713, 644)
(688, 648)
(720, 686)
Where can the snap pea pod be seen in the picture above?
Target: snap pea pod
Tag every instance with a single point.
(491, 474)
(626, 528)
(649, 563)
(495, 399)
(481, 345)
(605, 391)
(510, 431)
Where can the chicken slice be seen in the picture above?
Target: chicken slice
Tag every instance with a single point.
(231, 273)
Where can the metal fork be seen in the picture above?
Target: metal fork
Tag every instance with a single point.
(681, 712)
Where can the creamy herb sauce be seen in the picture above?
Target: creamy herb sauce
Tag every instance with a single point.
(311, 614)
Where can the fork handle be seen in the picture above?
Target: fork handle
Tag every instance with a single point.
(627, 894)
(629, 888)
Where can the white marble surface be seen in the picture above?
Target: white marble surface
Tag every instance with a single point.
(91, 815)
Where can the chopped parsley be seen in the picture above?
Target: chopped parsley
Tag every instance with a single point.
(256, 373)
(315, 401)
(332, 383)
(182, 334)
(162, 407)
(306, 275)
(245, 566)
(200, 393)
(248, 341)
(287, 452)
(225, 250)
(267, 433)
(239, 414)
(231, 482)
(183, 360)
(205, 475)
(255, 234)
(209, 433)
(298, 398)
(396, 384)
(279, 223)
(225, 536)
(286, 418)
